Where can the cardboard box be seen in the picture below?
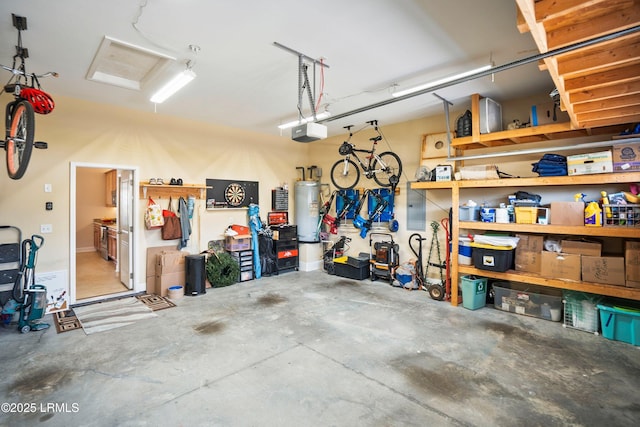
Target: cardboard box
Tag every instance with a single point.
(632, 264)
(530, 243)
(170, 262)
(547, 113)
(581, 247)
(151, 265)
(241, 242)
(165, 281)
(528, 261)
(528, 253)
(563, 266)
(590, 163)
(567, 213)
(443, 173)
(603, 269)
(626, 157)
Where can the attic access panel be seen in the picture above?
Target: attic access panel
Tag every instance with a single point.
(225, 193)
(125, 65)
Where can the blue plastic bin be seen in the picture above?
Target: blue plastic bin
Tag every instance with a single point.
(474, 292)
(620, 324)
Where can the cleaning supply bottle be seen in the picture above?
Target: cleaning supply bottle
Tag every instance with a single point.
(605, 204)
(593, 215)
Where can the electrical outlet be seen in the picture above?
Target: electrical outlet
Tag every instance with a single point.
(46, 228)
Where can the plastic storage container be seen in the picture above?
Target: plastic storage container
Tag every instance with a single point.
(621, 215)
(464, 251)
(529, 300)
(620, 324)
(469, 213)
(474, 292)
(492, 258)
(490, 116)
(352, 268)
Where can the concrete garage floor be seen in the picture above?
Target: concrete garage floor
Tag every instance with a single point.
(309, 349)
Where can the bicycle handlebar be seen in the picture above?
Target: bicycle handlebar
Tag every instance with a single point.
(22, 73)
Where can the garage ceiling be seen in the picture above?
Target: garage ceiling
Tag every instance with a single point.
(372, 47)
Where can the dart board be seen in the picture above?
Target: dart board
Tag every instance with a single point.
(223, 193)
(234, 194)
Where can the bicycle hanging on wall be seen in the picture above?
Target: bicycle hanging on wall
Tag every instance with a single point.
(19, 113)
(385, 168)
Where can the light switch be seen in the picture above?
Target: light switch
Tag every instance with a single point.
(48, 188)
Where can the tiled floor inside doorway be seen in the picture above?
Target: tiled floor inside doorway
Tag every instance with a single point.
(96, 276)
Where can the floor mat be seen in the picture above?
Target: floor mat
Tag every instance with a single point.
(112, 314)
(66, 321)
(156, 302)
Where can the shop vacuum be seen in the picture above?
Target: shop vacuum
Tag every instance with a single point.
(27, 299)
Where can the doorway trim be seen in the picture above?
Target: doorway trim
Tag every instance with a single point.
(138, 286)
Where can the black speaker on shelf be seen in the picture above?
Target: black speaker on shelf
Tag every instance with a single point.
(195, 275)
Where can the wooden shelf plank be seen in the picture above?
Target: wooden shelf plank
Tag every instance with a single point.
(630, 232)
(160, 191)
(599, 179)
(534, 279)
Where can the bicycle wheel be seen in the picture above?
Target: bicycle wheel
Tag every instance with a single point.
(345, 174)
(19, 141)
(391, 166)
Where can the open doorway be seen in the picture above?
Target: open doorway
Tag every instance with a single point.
(101, 232)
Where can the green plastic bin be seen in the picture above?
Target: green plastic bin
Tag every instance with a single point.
(474, 292)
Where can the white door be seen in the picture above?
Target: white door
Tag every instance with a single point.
(125, 228)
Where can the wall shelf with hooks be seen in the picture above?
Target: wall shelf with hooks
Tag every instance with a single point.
(153, 190)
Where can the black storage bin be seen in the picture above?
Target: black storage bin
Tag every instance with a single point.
(492, 259)
(355, 268)
(195, 275)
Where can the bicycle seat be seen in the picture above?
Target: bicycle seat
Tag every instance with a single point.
(375, 138)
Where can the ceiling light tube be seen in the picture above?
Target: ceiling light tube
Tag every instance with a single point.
(441, 81)
(319, 116)
(174, 85)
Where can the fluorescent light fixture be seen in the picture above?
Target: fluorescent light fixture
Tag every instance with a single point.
(441, 81)
(174, 85)
(320, 116)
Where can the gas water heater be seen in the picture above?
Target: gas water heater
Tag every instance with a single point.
(307, 210)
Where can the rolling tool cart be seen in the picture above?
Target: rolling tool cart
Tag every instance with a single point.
(383, 257)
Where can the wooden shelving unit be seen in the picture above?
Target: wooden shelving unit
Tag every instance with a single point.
(166, 191)
(456, 187)
(599, 85)
(526, 135)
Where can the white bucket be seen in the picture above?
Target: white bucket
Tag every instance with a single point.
(175, 292)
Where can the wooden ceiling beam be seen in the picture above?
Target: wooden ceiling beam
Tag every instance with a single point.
(554, 9)
(593, 26)
(603, 104)
(604, 78)
(621, 113)
(609, 121)
(602, 56)
(606, 92)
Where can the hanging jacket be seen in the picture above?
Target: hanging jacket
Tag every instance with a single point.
(185, 225)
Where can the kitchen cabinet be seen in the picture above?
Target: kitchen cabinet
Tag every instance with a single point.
(112, 243)
(571, 184)
(111, 186)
